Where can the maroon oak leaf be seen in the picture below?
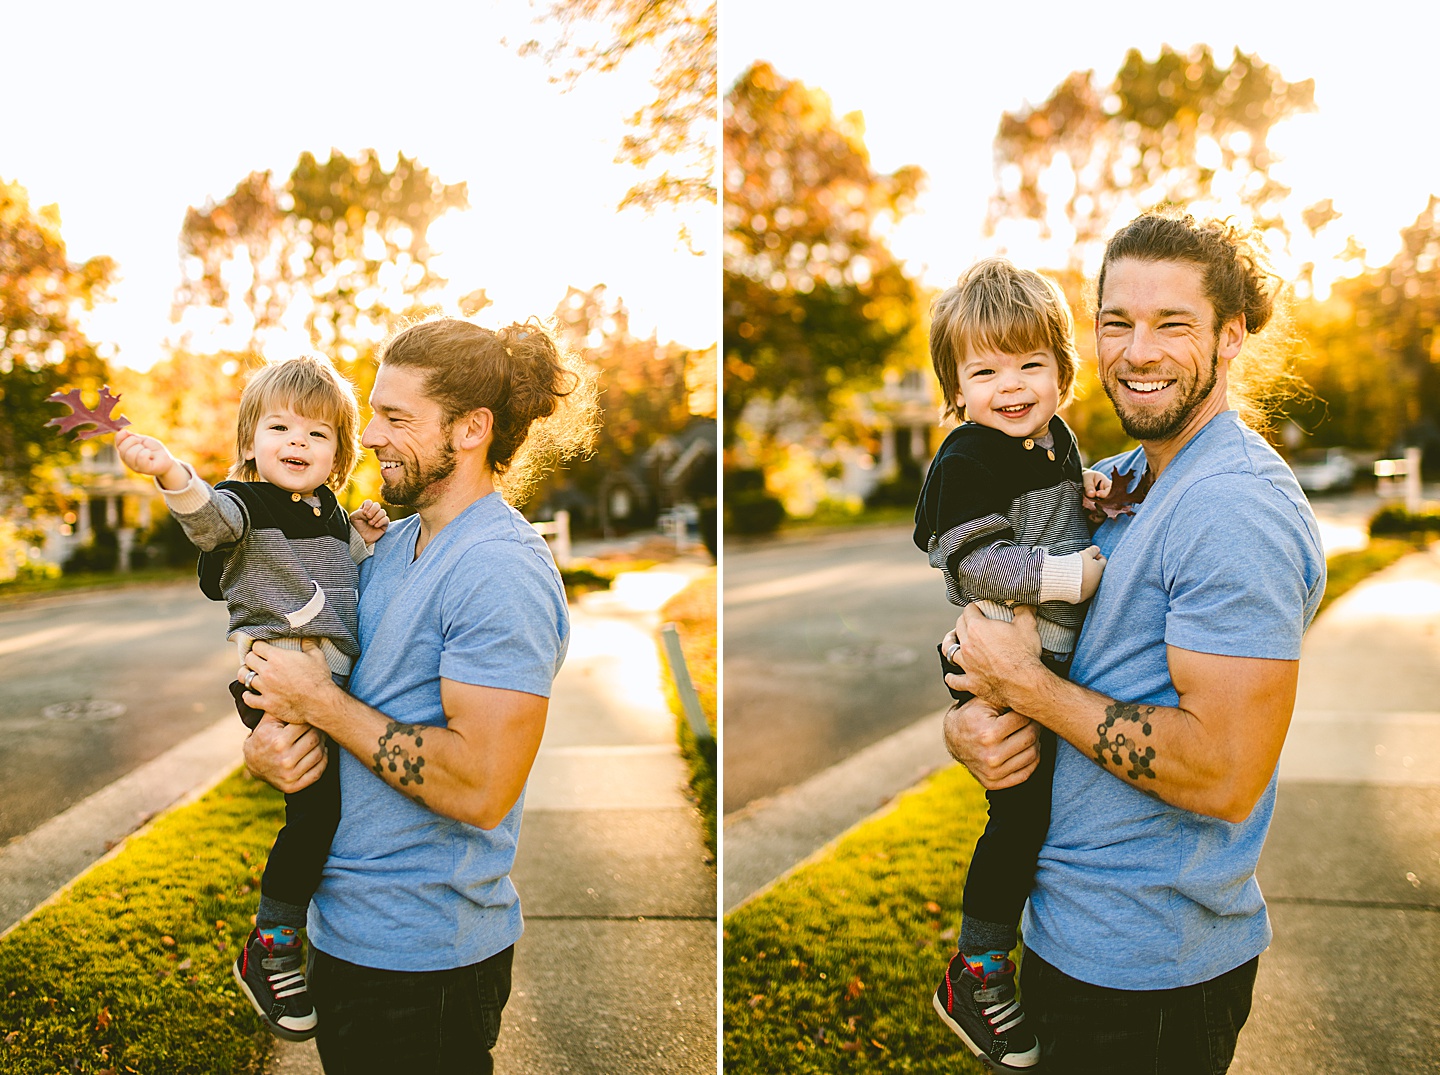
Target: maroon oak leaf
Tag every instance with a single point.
(81, 415)
(1121, 499)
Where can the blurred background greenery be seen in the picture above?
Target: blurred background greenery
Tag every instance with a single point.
(996, 138)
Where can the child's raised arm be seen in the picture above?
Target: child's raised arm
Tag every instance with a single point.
(146, 455)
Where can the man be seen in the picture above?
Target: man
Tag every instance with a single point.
(463, 626)
(1145, 925)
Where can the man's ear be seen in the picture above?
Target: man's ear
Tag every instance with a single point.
(475, 429)
(1232, 336)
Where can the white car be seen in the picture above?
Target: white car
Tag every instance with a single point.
(1319, 470)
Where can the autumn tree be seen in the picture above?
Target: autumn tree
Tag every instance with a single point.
(1180, 128)
(191, 402)
(42, 347)
(648, 390)
(675, 129)
(338, 252)
(1373, 350)
(814, 301)
(334, 257)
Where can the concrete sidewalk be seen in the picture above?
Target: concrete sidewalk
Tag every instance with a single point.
(1351, 869)
(616, 972)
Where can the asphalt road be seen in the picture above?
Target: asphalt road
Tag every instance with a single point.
(830, 644)
(97, 683)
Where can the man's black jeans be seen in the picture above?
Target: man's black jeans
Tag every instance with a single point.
(441, 1022)
(1087, 1028)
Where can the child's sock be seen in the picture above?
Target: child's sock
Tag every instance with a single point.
(985, 945)
(280, 921)
(278, 934)
(986, 963)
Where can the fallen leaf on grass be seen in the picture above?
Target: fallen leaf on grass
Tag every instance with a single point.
(854, 988)
(852, 1046)
(184, 964)
(756, 999)
(932, 907)
(168, 941)
(102, 1021)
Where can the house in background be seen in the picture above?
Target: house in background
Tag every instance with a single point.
(109, 509)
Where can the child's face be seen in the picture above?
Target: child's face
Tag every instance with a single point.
(1016, 394)
(292, 451)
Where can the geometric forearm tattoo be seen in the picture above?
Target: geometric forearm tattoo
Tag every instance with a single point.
(1119, 747)
(399, 748)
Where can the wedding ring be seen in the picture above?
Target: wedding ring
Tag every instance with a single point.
(951, 652)
(250, 678)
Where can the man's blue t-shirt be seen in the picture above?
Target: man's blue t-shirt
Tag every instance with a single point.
(1222, 557)
(405, 888)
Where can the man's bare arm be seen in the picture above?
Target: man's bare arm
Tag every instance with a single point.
(1213, 753)
(472, 768)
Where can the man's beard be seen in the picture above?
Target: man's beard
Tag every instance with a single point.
(417, 478)
(1162, 425)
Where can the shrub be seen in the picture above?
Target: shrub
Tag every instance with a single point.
(749, 509)
(1396, 519)
(100, 554)
(753, 513)
(165, 543)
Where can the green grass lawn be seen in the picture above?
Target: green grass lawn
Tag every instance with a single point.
(693, 611)
(828, 517)
(129, 971)
(832, 970)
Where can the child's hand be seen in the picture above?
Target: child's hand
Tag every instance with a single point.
(1096, 484)
(369, 521)
(1092, 566)
(146, 455)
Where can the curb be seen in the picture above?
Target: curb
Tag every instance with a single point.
(770, 838)
(37, 868)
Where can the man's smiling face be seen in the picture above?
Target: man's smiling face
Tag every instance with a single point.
(1161, 362)
(409, 437)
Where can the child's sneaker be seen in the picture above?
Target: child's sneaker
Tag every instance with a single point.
(273, 977)
(987, 1015)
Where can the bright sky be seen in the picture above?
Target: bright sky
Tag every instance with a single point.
(125, 115)
(932, 80)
